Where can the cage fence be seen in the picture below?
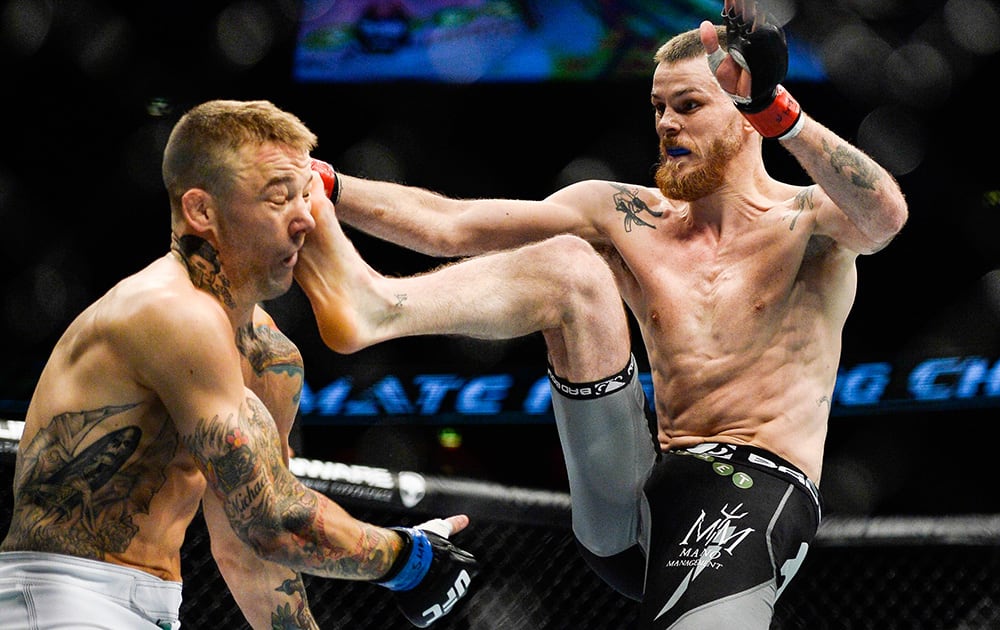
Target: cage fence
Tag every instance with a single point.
(885, 573)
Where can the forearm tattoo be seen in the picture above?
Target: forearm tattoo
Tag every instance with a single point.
(629, 204)
(850, 162)
(242, 460)
(79, 495)
(284, 616)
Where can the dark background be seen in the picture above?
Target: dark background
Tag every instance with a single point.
(92, 88)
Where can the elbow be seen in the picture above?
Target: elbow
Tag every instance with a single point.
(898, 213)
(267, 546)
(458, 240)
(278, 539)
(448, 244)
(895, 219)
(892, 218)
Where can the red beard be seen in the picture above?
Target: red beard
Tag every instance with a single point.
(701, 181)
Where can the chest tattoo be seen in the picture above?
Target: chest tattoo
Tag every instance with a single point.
(803, 201)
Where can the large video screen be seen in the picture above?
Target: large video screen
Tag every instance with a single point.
(465, 41)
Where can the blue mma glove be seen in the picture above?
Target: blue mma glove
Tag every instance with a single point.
(431, 574)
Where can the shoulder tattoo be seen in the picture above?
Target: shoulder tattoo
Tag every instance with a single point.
(803, 201)
(629, 204)
(268, 349)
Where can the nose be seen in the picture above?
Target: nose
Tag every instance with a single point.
(303, 221)
(669, 123)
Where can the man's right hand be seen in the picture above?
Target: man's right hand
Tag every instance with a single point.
(752, 70)
(331, 182)
(431, 574)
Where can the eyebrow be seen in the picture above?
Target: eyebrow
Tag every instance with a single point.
(285, 181)
(677, 94)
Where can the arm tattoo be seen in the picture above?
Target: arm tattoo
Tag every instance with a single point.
(628, 203)
(267, 349)
(850, 161)
(284, 617)
(269, 352)
(241, 458)
(263, 500)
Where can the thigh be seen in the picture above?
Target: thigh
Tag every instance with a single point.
(724, 538)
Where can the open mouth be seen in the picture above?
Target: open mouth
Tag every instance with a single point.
(677, 151)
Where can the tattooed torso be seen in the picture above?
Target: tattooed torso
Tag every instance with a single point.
(102, 472)
(741, 326)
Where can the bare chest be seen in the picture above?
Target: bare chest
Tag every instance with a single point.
(714, 295)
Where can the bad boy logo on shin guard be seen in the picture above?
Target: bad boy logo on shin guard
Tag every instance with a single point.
(704, 545)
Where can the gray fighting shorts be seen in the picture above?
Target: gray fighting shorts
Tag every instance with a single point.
(609, 451)
(44, 591)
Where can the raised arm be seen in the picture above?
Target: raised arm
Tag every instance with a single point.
(858, 202)
(867, 194)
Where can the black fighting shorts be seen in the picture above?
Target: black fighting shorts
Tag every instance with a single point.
(730, 526)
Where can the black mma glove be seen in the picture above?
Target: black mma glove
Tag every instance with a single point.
(430, 575)
(331, 182)
(760, 49)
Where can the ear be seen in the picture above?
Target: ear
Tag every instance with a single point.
(198, 207)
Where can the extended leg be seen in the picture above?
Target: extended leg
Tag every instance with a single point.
(560, 287)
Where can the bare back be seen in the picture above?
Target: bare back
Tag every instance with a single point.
(102, 472)
(741, 325)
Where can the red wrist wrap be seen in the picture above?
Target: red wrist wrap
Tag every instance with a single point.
(778, 117)
(331, 183)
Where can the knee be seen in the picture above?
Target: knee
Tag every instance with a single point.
(581, 271)
(625, 572)
(574, 253)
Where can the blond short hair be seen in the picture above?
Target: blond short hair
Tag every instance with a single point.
(204, 147)
(686, 45)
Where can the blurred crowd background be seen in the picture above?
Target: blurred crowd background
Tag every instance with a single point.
(92, 88)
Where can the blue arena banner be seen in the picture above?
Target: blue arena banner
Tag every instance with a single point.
(524, 398)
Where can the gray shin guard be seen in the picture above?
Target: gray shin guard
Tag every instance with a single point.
(609, 452)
